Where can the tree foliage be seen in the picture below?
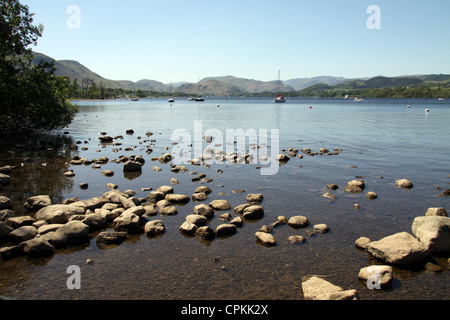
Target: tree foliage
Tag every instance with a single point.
(31, 97)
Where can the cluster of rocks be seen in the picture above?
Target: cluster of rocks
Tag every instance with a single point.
(358, 186)
(430, 236)
(294, 153)
(51, 226)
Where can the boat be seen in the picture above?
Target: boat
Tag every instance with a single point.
(199, 99)
(358, 99)
(171, 90)
(441, 99)
(134, 99)
(279, 97)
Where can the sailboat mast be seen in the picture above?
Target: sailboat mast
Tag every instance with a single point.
(278, 83)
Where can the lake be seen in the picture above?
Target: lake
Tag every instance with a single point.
(376, 140)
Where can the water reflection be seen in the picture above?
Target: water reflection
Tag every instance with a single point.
(39, 163)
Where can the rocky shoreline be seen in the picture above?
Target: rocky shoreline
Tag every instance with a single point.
(48, 226)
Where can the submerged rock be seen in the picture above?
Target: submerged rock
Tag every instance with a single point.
(298, 222)
(111, 237)
(265, 238)
(226, 229)
(204, 210)
(205, 232)
(404, 183)
(296, 239)
(220, 205)
(154, 228)
(254, 198)
(253, 212)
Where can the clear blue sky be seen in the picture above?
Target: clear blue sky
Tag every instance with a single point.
(184, 40)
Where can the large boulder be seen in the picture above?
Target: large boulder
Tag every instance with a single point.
(58, 213)
(37, 202)
(23, 234)
(400, 249)
(37, 248)
(434, 232)
(72, 233)
(316, 286)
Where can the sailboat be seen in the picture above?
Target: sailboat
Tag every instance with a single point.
(199, 98)
(171, 90)
(278, 97)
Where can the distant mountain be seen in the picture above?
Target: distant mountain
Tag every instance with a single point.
(302, 83)
(229, 85)
(391, 82)
(75, 70)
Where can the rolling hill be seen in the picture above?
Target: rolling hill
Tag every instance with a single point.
(230, 85)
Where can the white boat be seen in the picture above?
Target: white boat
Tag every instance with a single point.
(171, 90)
(135, 99)
(358, 99)
(441, 99)
(278, 97)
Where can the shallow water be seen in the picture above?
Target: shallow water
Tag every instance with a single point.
(381, 140)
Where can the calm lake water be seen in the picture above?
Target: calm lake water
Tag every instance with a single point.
(380, 140)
